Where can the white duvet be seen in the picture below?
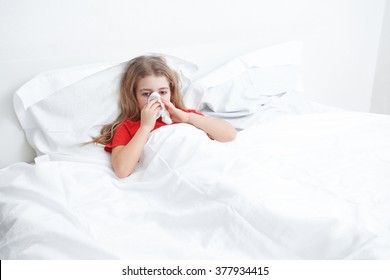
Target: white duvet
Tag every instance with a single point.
(315, 186)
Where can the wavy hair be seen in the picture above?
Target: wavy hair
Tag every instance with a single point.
(137, 69)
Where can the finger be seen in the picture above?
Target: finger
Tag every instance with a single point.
(169, 105)
(155, 106)
(152, 110)
(166, 102)
(150, 104)
(153, 100)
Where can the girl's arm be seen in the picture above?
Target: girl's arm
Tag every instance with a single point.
(218, 129)
(125, 158)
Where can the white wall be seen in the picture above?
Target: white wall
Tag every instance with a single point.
(381, 93)
(341, 40)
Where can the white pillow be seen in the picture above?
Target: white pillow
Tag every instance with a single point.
(61, 109)
(242, 86)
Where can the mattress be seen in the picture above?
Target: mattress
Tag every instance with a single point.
(310, 186)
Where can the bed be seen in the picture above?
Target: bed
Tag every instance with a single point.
(301, 181)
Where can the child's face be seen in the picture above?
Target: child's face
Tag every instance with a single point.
(150, 84)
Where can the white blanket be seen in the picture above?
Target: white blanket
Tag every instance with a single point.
(315, 186)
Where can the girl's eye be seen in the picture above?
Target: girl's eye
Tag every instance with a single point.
(145, 93)
(163, 92)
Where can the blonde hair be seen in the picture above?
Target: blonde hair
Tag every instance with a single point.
(138, 68)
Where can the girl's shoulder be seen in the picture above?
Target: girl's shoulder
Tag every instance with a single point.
(128, 125)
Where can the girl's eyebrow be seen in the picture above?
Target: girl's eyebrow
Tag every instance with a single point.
(148, 89)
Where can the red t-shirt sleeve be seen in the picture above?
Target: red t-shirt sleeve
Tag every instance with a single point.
(122, 136)
(192, 111)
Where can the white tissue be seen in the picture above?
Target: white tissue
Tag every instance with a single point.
(163, 112)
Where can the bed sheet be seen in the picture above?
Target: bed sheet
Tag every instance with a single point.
(312, 186)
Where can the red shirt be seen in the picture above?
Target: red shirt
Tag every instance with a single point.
(128, 128)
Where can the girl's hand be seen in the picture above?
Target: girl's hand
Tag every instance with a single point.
(177, 115)
(149, 114)
(219, 130)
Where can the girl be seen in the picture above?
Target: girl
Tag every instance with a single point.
(126, 137)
